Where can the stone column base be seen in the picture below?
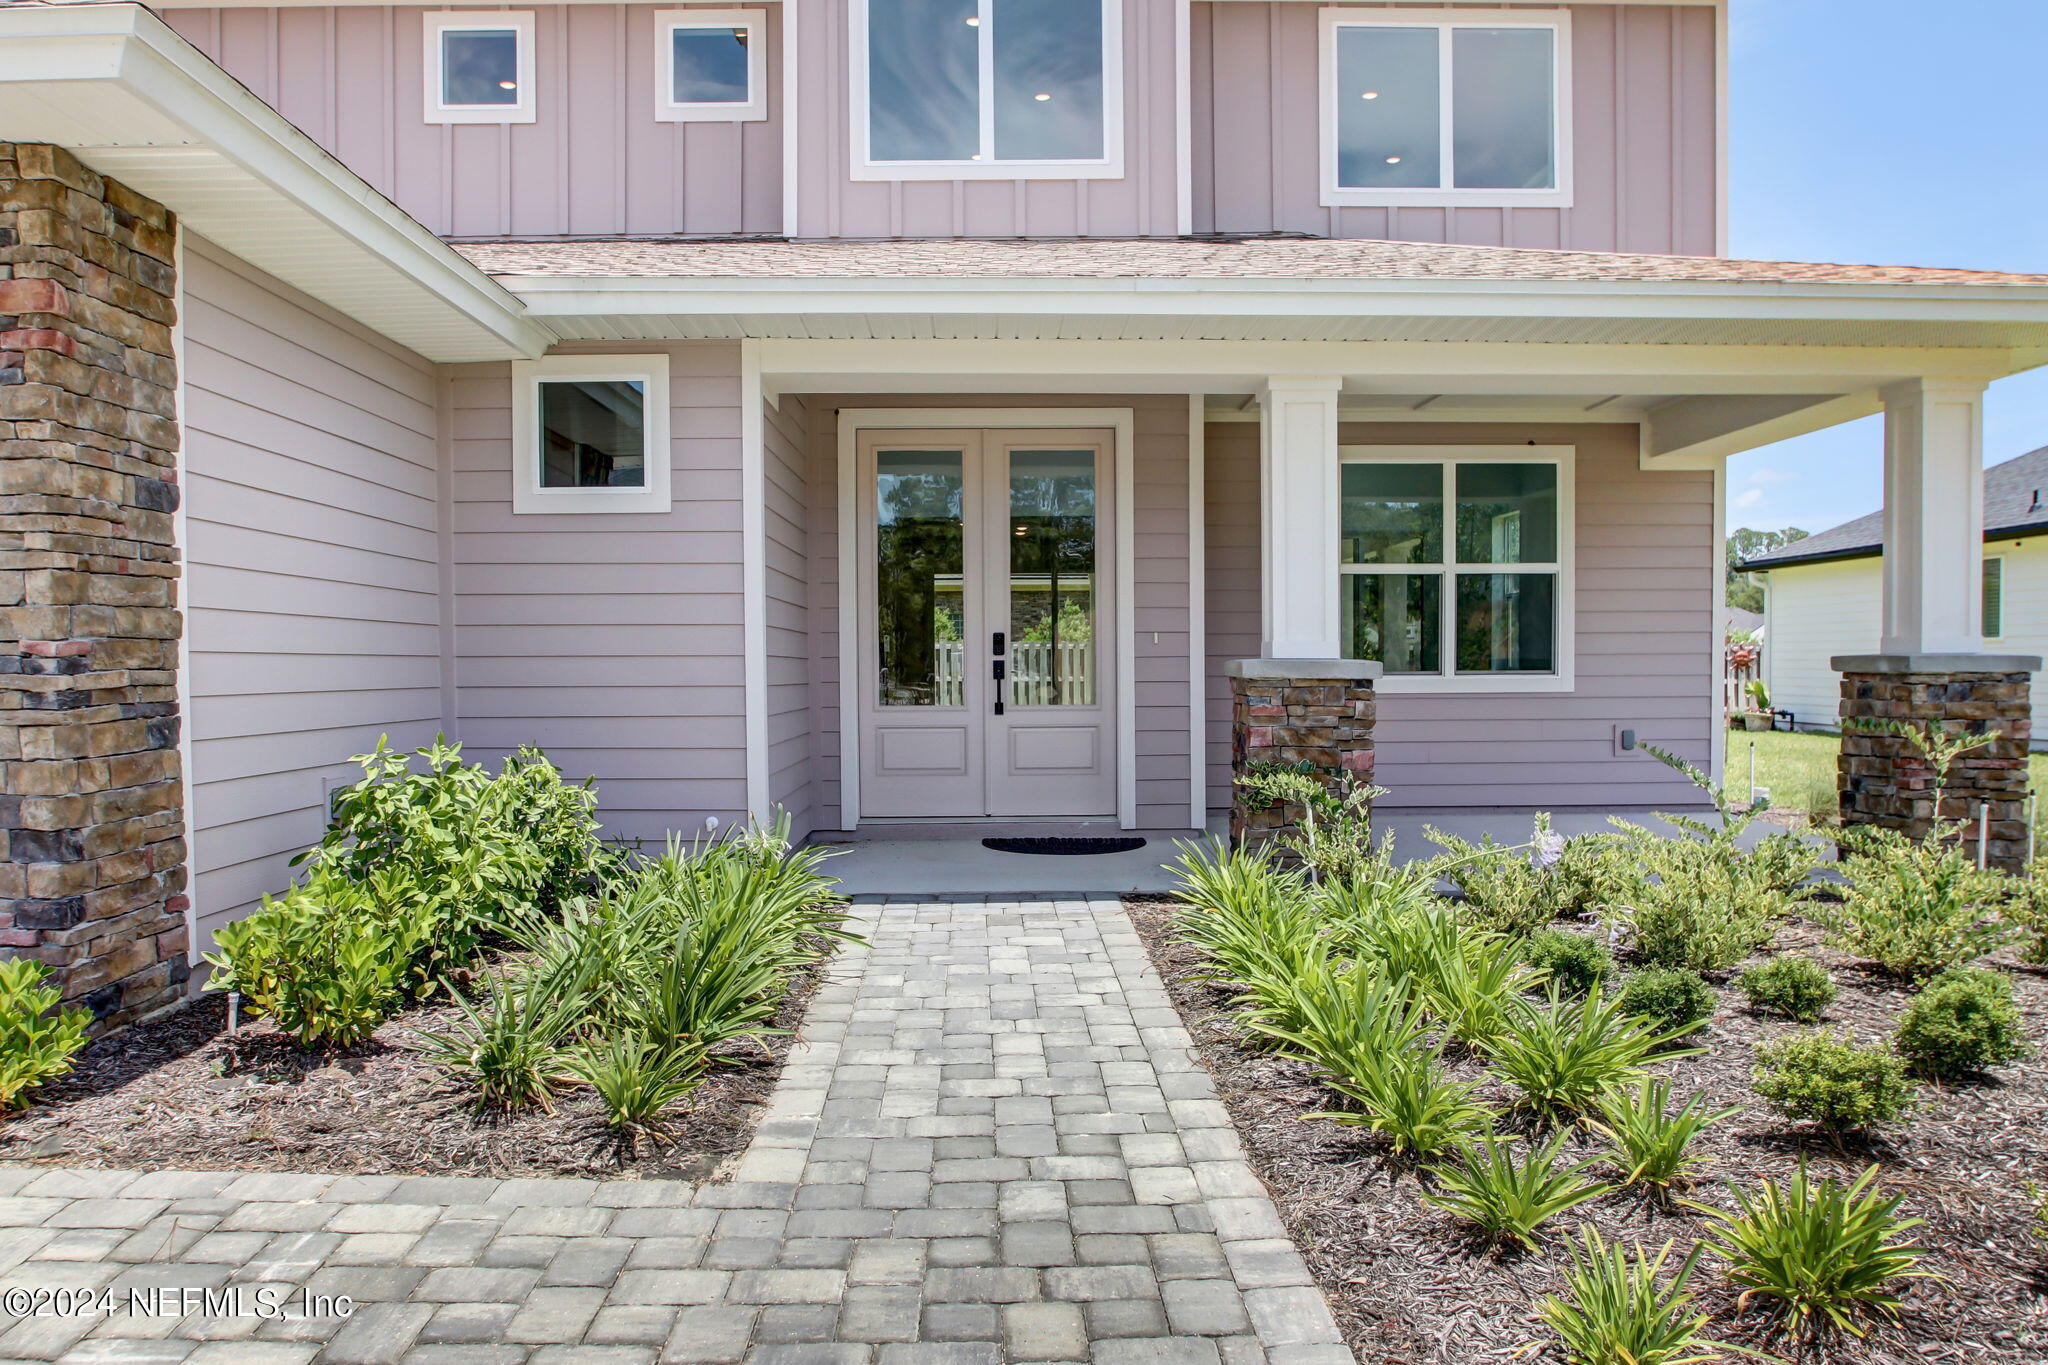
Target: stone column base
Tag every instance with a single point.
(1884, 781)
(1315, 714)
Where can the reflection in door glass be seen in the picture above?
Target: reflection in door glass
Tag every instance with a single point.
(920, 612)
(1052, 577)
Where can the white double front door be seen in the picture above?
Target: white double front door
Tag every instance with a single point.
(984, 656)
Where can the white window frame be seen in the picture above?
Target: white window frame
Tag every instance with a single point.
(1445, 196)
(519, 24)
(1986, 624)
(1563, 677)
(753, 109)
(1110, 166)
(528, 494)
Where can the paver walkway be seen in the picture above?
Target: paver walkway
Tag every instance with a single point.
(994, 1144)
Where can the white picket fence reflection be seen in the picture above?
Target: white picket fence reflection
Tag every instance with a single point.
(1033, 670)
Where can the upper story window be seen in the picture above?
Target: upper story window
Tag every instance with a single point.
(590, 434)
(479, 67)
(987, 89)
(711, 65)
(1442, 107)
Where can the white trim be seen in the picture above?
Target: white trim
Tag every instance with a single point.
(1717, 724)
(435, 23)
(1721, 156)
(1198, 611)
(1183, 120)
(852, 421)
(788, 99)
(182, 585)
(754, 581)
(1565, 458)
(1445, 195)
(528, 494)
(1109, 166)
(752, 109)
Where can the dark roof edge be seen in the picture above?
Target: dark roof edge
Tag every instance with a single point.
(1765, 563)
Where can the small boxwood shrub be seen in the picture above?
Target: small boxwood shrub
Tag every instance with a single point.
(36, 1045)
(1575, 962)
(1964, 1021)
(1670, 995)
(1793, 986)
(1825, 1078)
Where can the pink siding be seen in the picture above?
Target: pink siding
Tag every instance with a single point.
(1643, 117)
(594, 161)
(786, 445)
(1646, 642)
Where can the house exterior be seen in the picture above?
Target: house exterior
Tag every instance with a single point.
(1822, 594)
(897, 412)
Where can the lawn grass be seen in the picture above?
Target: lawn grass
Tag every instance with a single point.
(1799, 771)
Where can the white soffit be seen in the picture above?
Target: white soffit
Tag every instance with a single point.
(115, 86)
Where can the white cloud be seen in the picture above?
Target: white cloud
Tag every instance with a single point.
(1768, 475)
(1748, 498)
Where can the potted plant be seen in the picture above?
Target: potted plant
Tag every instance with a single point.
(1758, 716)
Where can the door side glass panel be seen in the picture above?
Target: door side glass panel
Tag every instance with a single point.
(920, 577)
(924, 80)
(1051, 535)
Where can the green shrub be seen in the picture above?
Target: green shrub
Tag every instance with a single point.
(1616, 1311)
(1963, 1021)
(1701, 910)
(1510, 891)
(2025, 910)
(1824, 1253)
(1564, 1056)
(635, 1079)
(1829, 1080)
(1672, 996)
(1508, 1198)
(1914, 907)
(1254, 923)
(1333, 841)
(1592, 870)
(36, 1045)
(510, 1050)
(1471, 998)
(1576, 963)
(1651, 1144)
(1790, 985)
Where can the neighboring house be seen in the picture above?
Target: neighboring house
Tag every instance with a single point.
(714, 396)
(1822, 594)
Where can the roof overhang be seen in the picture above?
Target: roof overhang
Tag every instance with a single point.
(115, 86)
(2028, 531)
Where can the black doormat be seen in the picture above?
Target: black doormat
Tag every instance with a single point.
(1063, 847)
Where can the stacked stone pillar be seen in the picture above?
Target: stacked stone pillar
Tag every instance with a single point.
(92, 834)
(1313, 714)
(1884, 780)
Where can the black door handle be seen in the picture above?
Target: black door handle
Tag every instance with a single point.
(996, 672)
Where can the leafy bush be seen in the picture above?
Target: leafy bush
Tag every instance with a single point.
(1471, 998)
(1670, 995)
(1778, 863)
(1615, 1310)
(635, 1078)
(1575, 963)
(1255, 924)
(1506, 1198)
(1651, 1144)
(1700, 910)
(1791, 985)
(1512, 891)
(1964, 1021)
(1826, 1254)
(1564, 1056)
(1828, 1079)
(1913, 906)
(36, 1045)
(1334, 838)
(511, 1049)
(2025, 910)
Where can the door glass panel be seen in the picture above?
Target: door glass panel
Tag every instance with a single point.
(1052, 577)
(920, 579)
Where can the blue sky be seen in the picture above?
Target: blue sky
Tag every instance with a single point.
(1896, 132)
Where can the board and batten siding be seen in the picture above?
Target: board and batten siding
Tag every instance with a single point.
(314, 580)
(1647, 646)
(1643, 147)
(594, 162)
(1157, 525)
(614, 641)
(785, 430)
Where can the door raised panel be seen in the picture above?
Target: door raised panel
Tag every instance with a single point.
(937, 750)
(1055, 748)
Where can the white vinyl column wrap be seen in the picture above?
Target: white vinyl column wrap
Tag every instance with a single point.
(1933, 516)
(1298, 527)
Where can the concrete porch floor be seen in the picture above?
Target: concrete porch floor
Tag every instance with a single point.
(949, 860)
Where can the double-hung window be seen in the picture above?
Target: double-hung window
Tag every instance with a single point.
(590, 434)
(710, 66)
(987, 89)
(1446, 107)
(1455, 565)
(479, 67)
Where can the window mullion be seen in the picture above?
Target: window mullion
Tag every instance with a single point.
(985, 71)
(1447, 582)
(1447, 173)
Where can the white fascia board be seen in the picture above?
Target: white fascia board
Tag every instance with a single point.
(113, 84)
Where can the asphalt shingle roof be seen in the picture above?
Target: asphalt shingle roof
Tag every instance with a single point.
(2015, 500)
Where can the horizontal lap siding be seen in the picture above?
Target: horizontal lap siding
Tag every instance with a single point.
(594, 161)
(786, 433)
(1646, 640)
(611, 641)
(1644, 111)
(314, 578)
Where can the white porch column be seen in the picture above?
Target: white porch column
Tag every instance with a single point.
(1298, 516)
(1933, 517)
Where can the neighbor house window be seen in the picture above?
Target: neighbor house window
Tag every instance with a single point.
(1994, 597)
(590, 434)
(710, 66)
(1446, 107)
(987, 89)
(1455, 565)
(479, 67)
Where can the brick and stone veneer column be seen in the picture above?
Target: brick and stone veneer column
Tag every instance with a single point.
(1317, 712)
(1883, 779)
(92, 832)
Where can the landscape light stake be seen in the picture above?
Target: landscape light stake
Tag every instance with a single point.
(1752, 772)
(1983, 832)
(2033, 805)
(234, 1010)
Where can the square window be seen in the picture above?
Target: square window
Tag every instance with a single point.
(711, 66)
(590, 434)
(593, 433)
(479, 67)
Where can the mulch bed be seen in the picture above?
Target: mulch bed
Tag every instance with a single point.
(1408, 1286)
(181, 1092)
